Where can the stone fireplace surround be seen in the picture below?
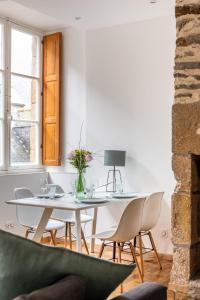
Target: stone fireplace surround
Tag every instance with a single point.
(185, 274)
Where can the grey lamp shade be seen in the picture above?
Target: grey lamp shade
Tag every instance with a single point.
(114, 158)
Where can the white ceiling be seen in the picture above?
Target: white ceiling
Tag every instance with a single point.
(49, 14)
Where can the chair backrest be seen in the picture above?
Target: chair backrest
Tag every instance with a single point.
(59, 189)
(23, 192)
(27, 216)
(130, 222)
(151, 212)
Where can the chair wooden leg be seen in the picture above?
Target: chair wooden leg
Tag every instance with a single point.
(134, 248)
(84, 241)
(122, 246)
(70, 236)
(141, 253)
(136, 261)
(53, 238)
(119, 253)
(114, 251)
(135, 241)
(120, 260)
(27, 233)
(154, 248)
(66, 233)
(101, 250)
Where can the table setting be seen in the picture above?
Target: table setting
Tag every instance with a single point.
(53, 197)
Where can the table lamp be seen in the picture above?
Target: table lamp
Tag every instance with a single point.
(114, 158)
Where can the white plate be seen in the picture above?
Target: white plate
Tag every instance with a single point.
(94, 201)
(124, 195)
(47, 195)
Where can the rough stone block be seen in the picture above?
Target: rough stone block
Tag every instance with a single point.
(186, 128)
(185, 265)
(181, 219)
(180, 273)
(185, 219)
(181, 165)
(186, 168)
(191, 3)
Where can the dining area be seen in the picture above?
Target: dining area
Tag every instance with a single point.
(62, 217)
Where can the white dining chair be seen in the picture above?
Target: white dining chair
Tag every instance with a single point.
(128, 227)
(151, 214)
(29, 217)
(69, 219)
(59, 189)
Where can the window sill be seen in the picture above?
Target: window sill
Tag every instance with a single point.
(22, 171)
(60, 170)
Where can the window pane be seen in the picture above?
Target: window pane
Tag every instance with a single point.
(1, 46)
(24, 145)
(1, 96)
(24, 98)
(24, 53)
(1, 143)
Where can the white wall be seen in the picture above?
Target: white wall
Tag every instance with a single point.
(73, 95)
(129, 98)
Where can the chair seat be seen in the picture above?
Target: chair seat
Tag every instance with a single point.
(106, 235)
(53, 225)
(72, 219)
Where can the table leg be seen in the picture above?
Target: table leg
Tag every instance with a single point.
(42, 224)
(94, 225)
(78, 231)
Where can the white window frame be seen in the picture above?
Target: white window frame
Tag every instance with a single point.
(7, 167)
(3, 71)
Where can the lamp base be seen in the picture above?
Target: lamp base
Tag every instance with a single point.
(113, 174)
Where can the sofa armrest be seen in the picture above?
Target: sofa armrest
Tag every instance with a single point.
(145, 291)
(71, 287)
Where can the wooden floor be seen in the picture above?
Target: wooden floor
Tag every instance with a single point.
(152, 271)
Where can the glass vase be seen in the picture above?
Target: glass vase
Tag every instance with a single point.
(80, 186)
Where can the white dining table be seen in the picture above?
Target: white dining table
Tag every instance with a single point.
(68, 203)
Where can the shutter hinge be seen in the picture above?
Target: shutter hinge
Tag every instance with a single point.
(42, 42)
(42, 94)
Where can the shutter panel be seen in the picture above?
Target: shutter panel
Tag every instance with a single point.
(51, 155)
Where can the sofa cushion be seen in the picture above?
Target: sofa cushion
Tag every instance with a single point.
(71, 287)
(26, 266)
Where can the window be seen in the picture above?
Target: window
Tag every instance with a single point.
(20, 94)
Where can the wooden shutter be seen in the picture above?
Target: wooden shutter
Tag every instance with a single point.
(51, 99)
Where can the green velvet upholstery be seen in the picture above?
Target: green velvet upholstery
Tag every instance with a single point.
(26, 266)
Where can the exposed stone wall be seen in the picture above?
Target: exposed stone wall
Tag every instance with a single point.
(186, 152)
(187, 63)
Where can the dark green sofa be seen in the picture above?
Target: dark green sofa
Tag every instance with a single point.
(30, 271)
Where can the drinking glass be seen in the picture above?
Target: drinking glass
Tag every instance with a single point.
(52, 192)
(43, 185)
(91, 191)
